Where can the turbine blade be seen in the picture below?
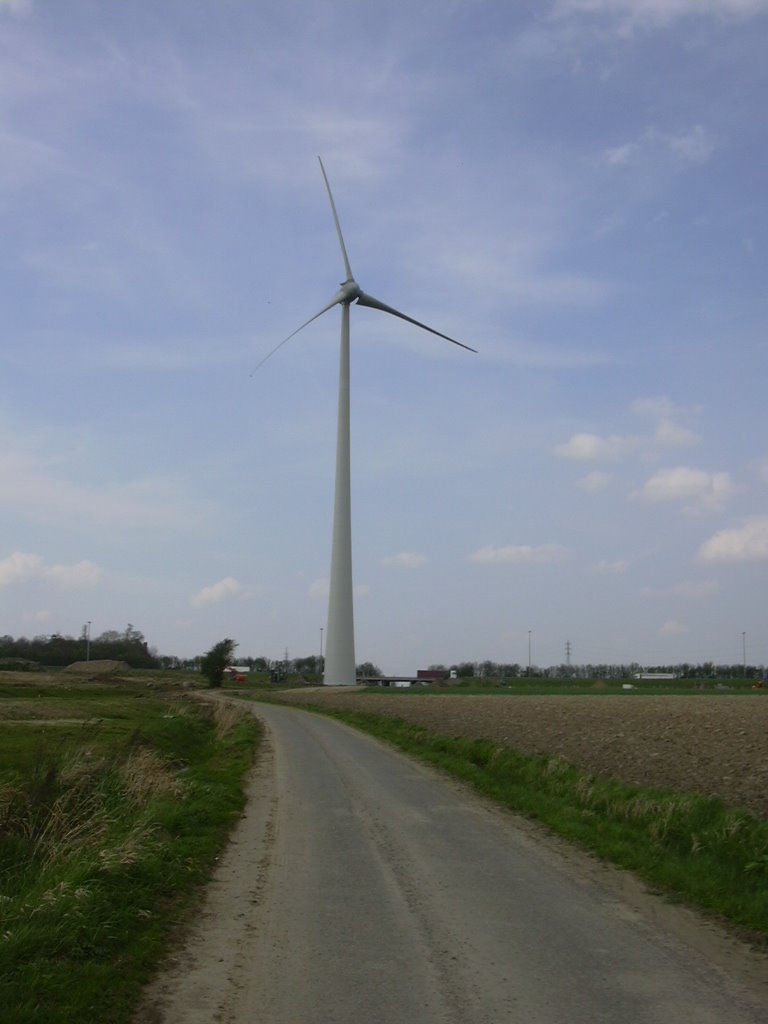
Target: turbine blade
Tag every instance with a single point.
(334, 302)
(368, 300)
(336, 222)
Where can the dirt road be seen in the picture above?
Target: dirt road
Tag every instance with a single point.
(360, 887)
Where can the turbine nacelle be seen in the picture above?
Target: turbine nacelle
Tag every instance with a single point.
(350, 290)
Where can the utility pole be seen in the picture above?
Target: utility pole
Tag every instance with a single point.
(744, 654)
(88, 641)
(568, 653)
(529, 652)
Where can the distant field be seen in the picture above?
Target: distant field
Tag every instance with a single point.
(545, 687)
(715, 743)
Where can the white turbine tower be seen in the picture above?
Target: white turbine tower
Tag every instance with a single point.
(340, 635)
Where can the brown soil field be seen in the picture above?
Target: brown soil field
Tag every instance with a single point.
(715, 745)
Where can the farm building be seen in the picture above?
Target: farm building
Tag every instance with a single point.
(655, 675)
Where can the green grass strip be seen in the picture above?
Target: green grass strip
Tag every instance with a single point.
(105, 841)
(686, 845)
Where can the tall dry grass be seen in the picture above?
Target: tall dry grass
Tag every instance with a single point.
(106, 831)
(226, 718)
(75, 805)
(146, 774)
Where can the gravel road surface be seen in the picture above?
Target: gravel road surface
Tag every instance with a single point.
(362, 887)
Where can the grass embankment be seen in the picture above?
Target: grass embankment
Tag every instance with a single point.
(690, 847)
(114, 803)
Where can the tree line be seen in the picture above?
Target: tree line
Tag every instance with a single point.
(58, 650)
(130, 646)
(683, 670)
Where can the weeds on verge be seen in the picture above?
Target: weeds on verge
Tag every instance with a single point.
(102, 843)
(226, 717)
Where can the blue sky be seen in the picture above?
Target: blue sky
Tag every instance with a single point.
(576, 188)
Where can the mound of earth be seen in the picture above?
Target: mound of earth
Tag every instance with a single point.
(97, 669)
(716, 745)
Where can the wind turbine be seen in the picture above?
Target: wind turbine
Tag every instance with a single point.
(340, 634)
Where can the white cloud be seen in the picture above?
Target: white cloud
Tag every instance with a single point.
(484, 255)
(82, 574)
(38, 617)
(24, 160)
(23, 567)
(16, 6)
(668, 433)
(593, 447)
(695, 590)
(687, 590)
(542, 356)
(228, 587)
(319, 588)
(48, 496)
(673, 628)
(594, 481)
(621, 154)
(405, 560)
(618, 567)
(671, 435)
(19, 568)
(519, 554)
(657, 407)
(653, 13)
(701, 489)
(693, 145)
(747, 543)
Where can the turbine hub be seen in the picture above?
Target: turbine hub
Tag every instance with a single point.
(350, 290)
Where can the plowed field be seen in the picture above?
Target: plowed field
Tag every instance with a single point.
(716, 745)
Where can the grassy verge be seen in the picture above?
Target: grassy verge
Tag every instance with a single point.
(690, 847)
(113, 806)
